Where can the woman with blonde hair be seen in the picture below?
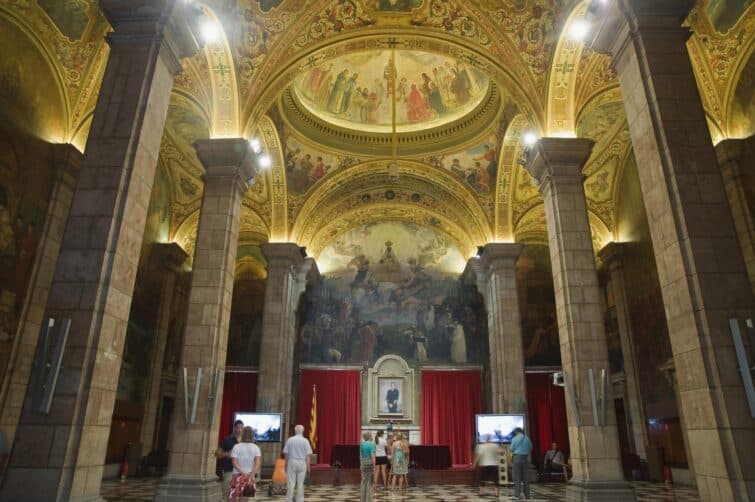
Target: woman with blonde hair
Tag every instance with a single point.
(246, 459)
(400, 461)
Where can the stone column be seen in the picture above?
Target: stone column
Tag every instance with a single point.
(556, 164)
(494, 274)
(702, 274)
(669, 372)
(60, 456)
(169, 258)
(288, 272)
(66, 161)
(729, 153)
(613, 257)
(230, 165)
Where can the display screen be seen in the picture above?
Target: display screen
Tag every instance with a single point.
(267, 426)
(498, 428)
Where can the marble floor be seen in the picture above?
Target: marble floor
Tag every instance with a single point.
(143, 489)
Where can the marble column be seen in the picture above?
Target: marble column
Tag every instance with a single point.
(730, 162)
(702, 273)
(556, 164)
(613, 257)
(494, 274)
(61, 455)
(66, 161)
(288, 273)
(169, 258)
(229, 166)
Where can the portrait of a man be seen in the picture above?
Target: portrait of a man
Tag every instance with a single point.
(391, 396)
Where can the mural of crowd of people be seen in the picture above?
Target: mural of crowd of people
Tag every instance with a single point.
(355, 89)
(477, 165)
(305, 166)
(392, 288)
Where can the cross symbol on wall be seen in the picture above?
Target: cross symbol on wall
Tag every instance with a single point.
(222, 69)
(564, 68)
(311, 61)
(392, 42)
(277, 184)
(472, 59)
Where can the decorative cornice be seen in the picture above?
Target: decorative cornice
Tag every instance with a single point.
(558, 158)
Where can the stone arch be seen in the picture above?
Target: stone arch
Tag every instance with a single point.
(276, 177)
(561, 99)
(511, 150)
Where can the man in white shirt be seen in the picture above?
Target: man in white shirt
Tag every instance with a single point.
(487, 458)
(297, 453)
(554, 461)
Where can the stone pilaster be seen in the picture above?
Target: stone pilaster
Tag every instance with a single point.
(288, 272)
(495, 275)
(669, 372)
(169, 258)
(556, 164)
(66, 162)
(230, 164)
(701, 270)
(729, 153)
(613, 257)
(60, 456)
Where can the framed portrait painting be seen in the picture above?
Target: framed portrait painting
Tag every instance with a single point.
(391, 396)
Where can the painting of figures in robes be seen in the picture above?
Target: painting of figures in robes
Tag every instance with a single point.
(356, 90)
(392, 288)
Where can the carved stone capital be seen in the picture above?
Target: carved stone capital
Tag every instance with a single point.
(66, 160)
(228, 157)
(559, 160)
(169, 254)
(729, 153)
(612, 255)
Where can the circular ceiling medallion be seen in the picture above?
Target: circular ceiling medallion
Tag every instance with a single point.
(355, 91)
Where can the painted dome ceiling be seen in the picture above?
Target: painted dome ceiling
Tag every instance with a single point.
(354, 91)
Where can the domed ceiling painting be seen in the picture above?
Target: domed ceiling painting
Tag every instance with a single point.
(355, 90)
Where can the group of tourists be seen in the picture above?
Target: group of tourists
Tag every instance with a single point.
(374, 462)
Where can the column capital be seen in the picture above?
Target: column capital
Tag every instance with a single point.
(494, 256)
(616, 20)
(169, 254)
(135, 21)
(283, 254)
(612, 255)
(66, 160)
(228, 157)
(729, 151)
(559, 159)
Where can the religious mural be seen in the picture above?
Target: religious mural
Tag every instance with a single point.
(397, 5)
(724, 14)
(477, 166)
(69, 16)
(356, 90)
(305, 165)
(540, 340)
(392, 288)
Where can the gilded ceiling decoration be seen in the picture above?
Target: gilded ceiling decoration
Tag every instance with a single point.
(308, 78)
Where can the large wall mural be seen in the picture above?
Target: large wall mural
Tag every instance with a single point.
(305, 165)
(392, 288)
(355, 90)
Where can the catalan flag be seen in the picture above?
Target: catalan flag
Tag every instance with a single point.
(313, 420)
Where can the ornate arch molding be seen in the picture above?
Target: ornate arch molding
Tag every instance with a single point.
(532, 229)
(225, 92)
(276, 178)
(406, 38)
(367, 183)
(511, 150)
(562, 87)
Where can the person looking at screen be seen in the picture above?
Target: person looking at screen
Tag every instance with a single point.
(521, 447)
(486, 458)
(246, 459)
(297, 451)
(223, 453)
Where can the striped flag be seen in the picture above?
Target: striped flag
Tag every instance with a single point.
(313, 420)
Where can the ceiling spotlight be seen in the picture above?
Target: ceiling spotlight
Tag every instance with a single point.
(265, 161)
(256, 146)
(579, 29)
(210, 31)
(530, 138)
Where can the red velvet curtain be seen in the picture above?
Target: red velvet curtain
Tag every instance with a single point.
(547, 415)
(339, 418)
(450, 400)
(239, 394)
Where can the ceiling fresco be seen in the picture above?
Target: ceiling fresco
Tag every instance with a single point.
(499, 59)
(356, 90)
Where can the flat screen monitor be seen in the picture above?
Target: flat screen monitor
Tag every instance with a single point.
(499, 428)
(267, 426)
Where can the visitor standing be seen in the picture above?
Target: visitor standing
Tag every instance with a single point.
(246, 459)
(521, 447)
(486, 458)
(297, 451)
(367, 466)
(399, 461)
(381, 460)
(223, 454)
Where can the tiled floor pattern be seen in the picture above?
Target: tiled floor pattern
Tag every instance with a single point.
(143, 489)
